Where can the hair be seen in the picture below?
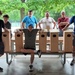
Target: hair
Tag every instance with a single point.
(62, 11)
(6, 16)
(30, 25)
(0, 12)
(30, 10)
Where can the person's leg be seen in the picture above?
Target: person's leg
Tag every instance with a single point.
(48, 34)
(31, 51)
(60, 33)
(27, 51)
(1, 69)
(31, 58)
(1, 52)
(72, 62)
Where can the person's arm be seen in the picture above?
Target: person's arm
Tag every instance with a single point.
(66, 26)
(35, 21)
(22, 25)
(23, 21)
(40, 22)
(71, 21)
(39, 25)
(9, 25)
(65, 22)
(60, 23)
(54, 25)
(5, 29)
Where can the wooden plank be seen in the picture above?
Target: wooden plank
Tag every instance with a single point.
(7, 40)
(42, 41)
(18, 41)
(67, 40)
(54, 40)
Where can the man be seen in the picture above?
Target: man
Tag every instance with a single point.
(29, 47)
(30, 19)
(62, 21)
(1, 42)
(47, 22)
(6, 22)
(72, 20)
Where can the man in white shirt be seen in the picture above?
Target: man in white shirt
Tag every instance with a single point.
(47, 22)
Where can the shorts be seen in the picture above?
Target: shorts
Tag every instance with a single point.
(73, 40)
(28, 48)
(1, 48)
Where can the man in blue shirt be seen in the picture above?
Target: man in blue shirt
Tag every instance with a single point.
(30, 19)
(72, 20)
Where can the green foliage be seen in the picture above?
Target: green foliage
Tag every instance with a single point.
(12, 7)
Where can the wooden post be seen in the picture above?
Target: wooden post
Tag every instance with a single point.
(67, 40)
(42, 41)
(54, 40)
(6, 37)
(18, 41)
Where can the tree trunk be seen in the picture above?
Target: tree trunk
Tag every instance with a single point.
(22, 11)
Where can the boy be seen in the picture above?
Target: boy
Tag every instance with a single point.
(29, 47)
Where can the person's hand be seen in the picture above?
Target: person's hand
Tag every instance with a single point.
(6, 30)
(40, 30)
(20, 31)
(63, 29)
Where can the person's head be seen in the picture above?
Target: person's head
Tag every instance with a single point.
(30, 13)
(5, 17)
(62, 13)
(47, 14)
(0, 12)
(30, 27)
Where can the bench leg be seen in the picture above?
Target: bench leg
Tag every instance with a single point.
(7, 59)
(63, 59)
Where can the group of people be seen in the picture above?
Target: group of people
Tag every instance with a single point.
(49, 23)
(30, 30)
(45, 23)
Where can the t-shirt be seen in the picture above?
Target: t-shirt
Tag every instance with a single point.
(30, 38)
(72, 20)
(29, 21)
(62, 19)
(8, 25)
(47, 22)
(1, 26)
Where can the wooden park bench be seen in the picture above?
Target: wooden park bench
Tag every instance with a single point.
(54, 42)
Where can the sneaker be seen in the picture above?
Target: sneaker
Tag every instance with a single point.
(72, 62)
(1, 69)
(31, 68)
(39, 53)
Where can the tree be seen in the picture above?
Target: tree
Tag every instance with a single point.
(39, 6)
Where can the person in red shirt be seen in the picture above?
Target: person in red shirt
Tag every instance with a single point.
(62, 21)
